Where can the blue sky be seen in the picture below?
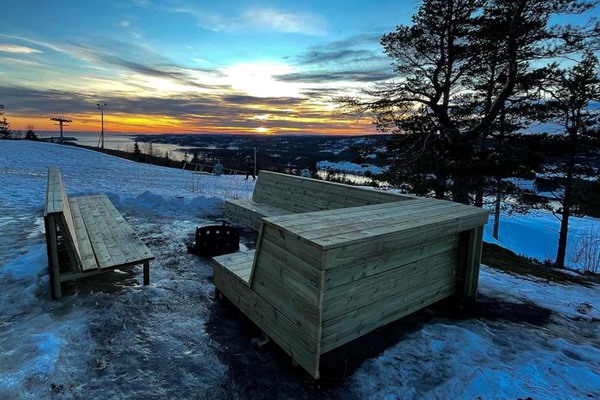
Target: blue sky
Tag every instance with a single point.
(190, 66)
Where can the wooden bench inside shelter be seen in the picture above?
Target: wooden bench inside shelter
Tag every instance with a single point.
(92, 232)
(328, 271)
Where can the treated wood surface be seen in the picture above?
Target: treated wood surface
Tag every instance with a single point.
(238, 264)
(334, 262)
(334, 228)
(113, 240)
(250, 213)
(96, 236)
(307, 194)
(280, 194)
(303, 349)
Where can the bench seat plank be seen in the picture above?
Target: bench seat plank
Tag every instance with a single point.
(86, 250)
(95, 235)
(237, 264)
(111, 236)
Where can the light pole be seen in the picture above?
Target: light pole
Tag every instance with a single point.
(101, 108)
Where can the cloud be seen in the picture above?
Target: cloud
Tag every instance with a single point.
(357, 58)
(338, 56)
(39, 43)
(142, 61)
(337, 76)
(252, 100)
(21, 63)
(213, 112)
(13, 48)
(258, 19)
(302, 23)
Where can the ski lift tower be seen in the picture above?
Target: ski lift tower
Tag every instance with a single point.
(61, 121)
(101, 138)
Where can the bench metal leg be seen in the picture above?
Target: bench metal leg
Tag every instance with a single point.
(146, 273)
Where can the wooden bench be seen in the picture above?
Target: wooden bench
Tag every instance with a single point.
(280, 194)
(93, 234)
(320, 279)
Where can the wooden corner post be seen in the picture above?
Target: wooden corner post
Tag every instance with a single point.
(467, 274)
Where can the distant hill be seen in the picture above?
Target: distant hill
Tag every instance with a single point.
(277, 153)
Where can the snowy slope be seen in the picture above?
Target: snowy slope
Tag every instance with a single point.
(116, 339)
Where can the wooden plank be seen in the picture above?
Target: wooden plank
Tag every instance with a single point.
(69, 241)
(132, 245)
(304, 312)
(300, 223)
(113, 240)
(351, 326)
(375, 260)
(417, 231)
(301, 272)
(291, 338)
(239, 264)
(277, 180)
(96, 227)
(53, 202)
(324, 196)
(343, 299)
(303, 250)
(388, 219)
(395, 241)
(331, 223)
(85, 249)
(249, 213)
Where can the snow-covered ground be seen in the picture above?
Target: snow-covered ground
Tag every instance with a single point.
(116, 339)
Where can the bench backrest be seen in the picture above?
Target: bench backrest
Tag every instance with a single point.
(299, 194)
(57, 207)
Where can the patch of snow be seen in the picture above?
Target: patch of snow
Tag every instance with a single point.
(346, 166)
(122, 340)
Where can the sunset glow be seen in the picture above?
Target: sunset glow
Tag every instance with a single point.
(191, 67)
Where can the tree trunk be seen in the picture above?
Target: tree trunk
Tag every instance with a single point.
(497, 205)
(564, 231)
(479, 195)
(567, 203)
(460, 189)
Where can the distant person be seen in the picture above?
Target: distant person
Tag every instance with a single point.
(250, 171)
(305, 173)
(218, 168)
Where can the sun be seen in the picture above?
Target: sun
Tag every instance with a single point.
(259, 79)
(262, 130)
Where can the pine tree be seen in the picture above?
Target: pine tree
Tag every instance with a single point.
(5, 132)
(137, 153)
(458, 65)
(30, 134)
(572, 92)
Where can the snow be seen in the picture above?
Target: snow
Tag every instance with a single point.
(535, 234)
(112, 338)
(347, 166)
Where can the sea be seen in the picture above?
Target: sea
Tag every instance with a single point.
(115, 141)
(126, 141)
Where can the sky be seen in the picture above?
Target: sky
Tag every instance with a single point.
(251, 66)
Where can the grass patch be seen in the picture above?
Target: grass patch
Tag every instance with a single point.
(505, 260)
